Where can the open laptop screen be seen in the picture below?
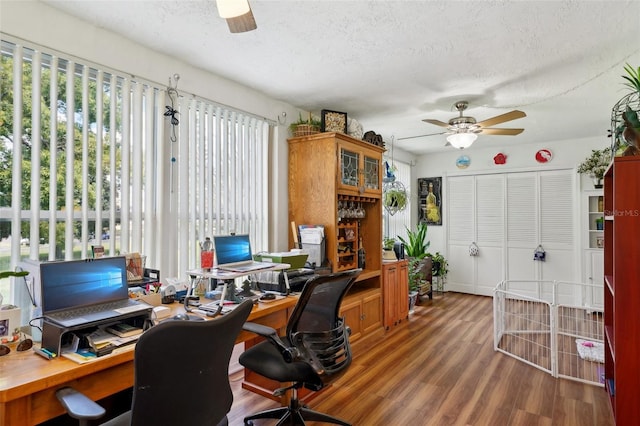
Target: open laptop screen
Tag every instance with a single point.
(77, 283)
(232, 248)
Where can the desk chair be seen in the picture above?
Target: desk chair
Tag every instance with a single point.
(181, 374)
(314, 351)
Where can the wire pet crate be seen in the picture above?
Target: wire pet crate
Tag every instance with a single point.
(551, 325)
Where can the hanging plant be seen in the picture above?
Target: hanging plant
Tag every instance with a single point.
(395, 198)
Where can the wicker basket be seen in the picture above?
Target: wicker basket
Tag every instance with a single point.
(305, 130)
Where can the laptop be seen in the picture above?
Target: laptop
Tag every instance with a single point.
(233, 254)
(78, 292)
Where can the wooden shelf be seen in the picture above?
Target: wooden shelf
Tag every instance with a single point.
(622, 289)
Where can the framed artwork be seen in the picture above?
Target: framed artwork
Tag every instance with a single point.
(430, 200)
(333, 121)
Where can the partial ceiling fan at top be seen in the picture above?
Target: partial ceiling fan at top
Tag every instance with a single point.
(238, 15)
(463, 131)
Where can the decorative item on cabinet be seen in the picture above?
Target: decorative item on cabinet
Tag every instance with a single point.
(333, 121)
(304, 127)
(625, 125)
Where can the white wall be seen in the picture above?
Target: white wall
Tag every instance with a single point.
(40, 24)
(566, 154)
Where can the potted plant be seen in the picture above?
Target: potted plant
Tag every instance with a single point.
(416, 248)
(387, 249)
(395, 198)
(595, 165)
(305, 127)
(415, 280)
(439, 269)
(415, 245)
(627, 122)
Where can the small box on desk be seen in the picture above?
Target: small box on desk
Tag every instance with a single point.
(9, 320)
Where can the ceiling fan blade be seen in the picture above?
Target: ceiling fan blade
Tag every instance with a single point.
(502, 118)
(421, 136)
(242, 23)
(436, 122)
(494, 131)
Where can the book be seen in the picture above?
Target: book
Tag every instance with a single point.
(124, 330)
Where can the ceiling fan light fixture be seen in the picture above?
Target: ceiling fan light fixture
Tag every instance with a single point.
(232, 8)
(462, 140)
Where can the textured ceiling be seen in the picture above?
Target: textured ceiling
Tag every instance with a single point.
(390, 64)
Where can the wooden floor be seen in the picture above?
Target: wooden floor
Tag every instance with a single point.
(441, 369)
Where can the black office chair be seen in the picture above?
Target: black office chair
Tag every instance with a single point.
(181, 374)
(314, 351)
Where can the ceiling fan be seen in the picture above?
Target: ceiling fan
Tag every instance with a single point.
(238, 15)
(463, 130)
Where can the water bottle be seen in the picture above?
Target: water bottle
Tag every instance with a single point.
(206, 254)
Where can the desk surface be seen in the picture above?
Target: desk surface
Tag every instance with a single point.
(23, 374)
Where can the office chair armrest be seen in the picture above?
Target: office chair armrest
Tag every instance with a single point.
(78, 405)
(289, 354)
(259, 329)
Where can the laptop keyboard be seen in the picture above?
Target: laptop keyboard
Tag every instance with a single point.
(87, 310)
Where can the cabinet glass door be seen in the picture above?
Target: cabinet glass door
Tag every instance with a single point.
(349, 167)
(371, 173)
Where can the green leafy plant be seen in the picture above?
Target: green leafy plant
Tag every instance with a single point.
(632, 78)
(415, 274)
(440, 264)
(415, 245)
(627, 131)
(596, 164)
(388, 243)
(395, 198)
(311, 121)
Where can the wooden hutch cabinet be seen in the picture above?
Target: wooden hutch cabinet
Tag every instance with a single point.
(622, 287)
(329, 172)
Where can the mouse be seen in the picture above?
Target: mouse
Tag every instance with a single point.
(181, 317)
(268, 296)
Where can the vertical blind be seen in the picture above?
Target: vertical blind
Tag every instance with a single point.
(89, 158)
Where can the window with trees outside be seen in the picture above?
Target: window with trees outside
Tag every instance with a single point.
(90, 156)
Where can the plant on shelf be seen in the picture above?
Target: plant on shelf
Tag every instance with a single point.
(304, 127)
(440, 266)
(387, 243)
(596, 164)
(627, 122)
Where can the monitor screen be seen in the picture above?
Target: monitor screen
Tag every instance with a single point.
(76, 283)
(232, 248)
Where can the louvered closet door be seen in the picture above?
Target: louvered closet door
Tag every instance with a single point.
(540, 211)
(476, 215)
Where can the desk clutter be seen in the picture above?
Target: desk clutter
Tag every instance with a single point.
(88, 344)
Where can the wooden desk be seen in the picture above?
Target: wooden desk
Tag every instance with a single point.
(28, 382)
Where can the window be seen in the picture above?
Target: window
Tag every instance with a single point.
(99, 163)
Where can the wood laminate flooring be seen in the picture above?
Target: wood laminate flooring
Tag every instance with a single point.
(440, 369)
